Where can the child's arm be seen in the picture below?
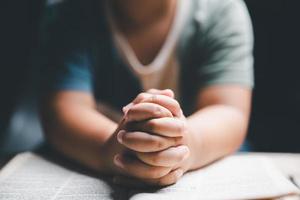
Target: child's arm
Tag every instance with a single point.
(75, 128)
(220, 125)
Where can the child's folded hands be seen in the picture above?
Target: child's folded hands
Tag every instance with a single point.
(156, 134)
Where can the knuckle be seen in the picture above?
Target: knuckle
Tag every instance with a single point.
(151, 90)
(178, 140)
(156, 111)
(181, 128)
(185, 154)
(153, 98)
(142, 96)
(182, 152)
(156, 143)
(156, 159)
(169, 90)
(159, 144)
(152, 124)
(181, 156)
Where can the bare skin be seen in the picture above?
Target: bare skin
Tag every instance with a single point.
(155, 142)
(184, 144)
(166, 145)
(141, 20)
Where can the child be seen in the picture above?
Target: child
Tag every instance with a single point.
(128, 52)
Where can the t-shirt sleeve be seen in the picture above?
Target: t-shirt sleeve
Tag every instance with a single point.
(65, 60)
(225, 42)
(71, 73)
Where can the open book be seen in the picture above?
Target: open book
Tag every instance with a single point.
(32, 177)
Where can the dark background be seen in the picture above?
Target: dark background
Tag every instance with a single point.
(19, 27)
(275, 123)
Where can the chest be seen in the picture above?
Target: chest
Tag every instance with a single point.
(147, 42)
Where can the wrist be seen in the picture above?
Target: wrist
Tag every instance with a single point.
(110, 149)
(195, 145)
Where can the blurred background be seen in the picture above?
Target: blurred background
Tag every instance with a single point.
(275, 121)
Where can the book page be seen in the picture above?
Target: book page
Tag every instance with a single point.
(235, 177)
(31, 177)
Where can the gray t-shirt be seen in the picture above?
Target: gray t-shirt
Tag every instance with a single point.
(215, 48)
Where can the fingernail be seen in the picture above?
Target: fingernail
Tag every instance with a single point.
(126, 108)
(120, 136)
(117, 161)
(170, 92)
(181, 112)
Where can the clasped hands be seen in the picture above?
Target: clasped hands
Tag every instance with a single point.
(155, 138)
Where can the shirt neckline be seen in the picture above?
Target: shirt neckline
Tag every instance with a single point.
(166, 50)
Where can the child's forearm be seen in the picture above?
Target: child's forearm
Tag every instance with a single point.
(216, 131)
(79, 132)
